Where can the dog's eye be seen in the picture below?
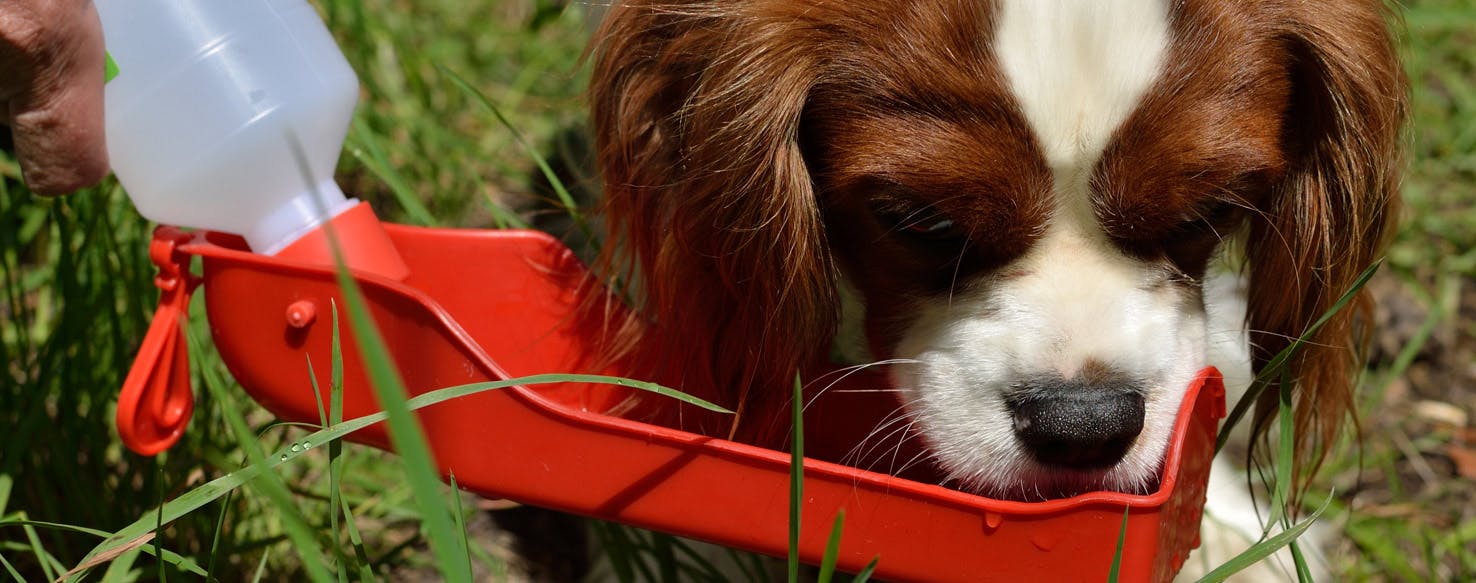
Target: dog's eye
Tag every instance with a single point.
(931, 227)
(1208, 218)
(921, 222)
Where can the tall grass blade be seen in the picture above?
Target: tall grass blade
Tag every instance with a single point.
(566, 199)
(9, 568)
(865, 574)
(159, 526)
(460, 520)
(43, 558)
(1115, 572)
(796, 477)
(179, 561)
(1261, 550)
(1286, 437)
(272, 485)
(1304, 572)
(832, 549)
(214, 489)
(261, 565)
(340, 560)
(404, 431)
(1274, 367)
(120, 570)
(373, 157)
(337, 459)
(220, 519)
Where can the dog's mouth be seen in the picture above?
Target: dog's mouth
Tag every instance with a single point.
(1050, 483)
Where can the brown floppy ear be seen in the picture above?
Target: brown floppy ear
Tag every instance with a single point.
(1332, 215)
(711, 209)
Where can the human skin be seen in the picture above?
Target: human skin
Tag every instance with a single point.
(51, 92)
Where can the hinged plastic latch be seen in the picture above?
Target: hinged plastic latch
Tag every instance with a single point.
(156, 401)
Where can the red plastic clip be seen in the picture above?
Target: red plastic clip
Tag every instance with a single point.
(156, 401)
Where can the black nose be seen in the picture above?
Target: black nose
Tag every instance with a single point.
(1075, 424)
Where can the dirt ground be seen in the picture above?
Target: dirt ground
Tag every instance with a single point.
(1419, 443)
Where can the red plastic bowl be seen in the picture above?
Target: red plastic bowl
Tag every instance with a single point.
(485, 305)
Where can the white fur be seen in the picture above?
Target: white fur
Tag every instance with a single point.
(1078, 69)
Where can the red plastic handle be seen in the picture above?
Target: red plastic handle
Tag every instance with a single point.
(156, 401)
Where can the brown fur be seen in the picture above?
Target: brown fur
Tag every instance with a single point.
(738, 140)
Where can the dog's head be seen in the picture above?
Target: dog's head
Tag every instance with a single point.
(1025, 194)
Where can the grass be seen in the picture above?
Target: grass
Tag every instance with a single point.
(432, 147)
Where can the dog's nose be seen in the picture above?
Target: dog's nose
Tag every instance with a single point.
(1077, 425)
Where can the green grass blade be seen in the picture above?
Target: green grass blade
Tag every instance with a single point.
(1274, 367)
(373, 157)
(1261, 550)
(832, 549)
(337, 458)
(261, 565)
(43, 558)
(179, 561)
(865, 574)
(159, 526)
(456, 514)
(356, 540)
(560, 191)
(1304, 572)
(340, 560)
(796, 477)
(120, 570)
(6, 483)
(220, 519)
(1281, 489)
(405, 433)
(214, 489)
(271, 485)
(1122, 533)
(9, 568)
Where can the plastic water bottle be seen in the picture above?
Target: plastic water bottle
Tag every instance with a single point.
(230, 115)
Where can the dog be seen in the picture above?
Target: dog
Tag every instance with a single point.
(1024, 198)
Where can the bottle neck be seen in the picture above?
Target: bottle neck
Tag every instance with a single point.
(297, 217)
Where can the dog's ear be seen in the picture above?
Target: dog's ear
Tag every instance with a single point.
(712, 212)
(1332, 215)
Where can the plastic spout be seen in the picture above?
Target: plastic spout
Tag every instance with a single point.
(361, 239)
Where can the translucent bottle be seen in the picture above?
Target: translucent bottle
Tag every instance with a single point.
(230, 115)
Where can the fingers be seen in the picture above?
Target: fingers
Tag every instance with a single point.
(54, 91)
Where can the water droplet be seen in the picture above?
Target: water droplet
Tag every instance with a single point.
(306, 445)
(295, 448)
(284, 457)
(992, 520)
(1045, 542)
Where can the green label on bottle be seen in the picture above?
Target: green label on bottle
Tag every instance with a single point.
(110, 69)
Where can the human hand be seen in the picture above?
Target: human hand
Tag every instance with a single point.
(51, 91)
